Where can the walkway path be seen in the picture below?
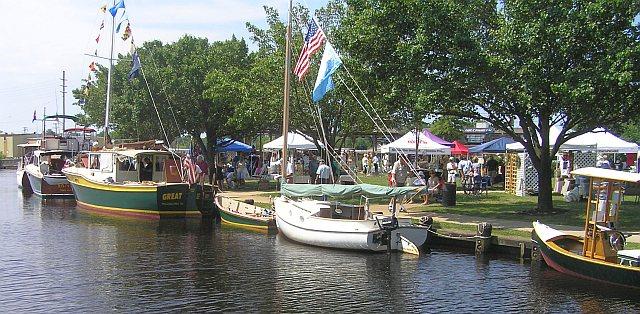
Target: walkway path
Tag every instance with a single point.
(264, 197)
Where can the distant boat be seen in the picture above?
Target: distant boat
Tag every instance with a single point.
(43, 166)
(599, 255)
(244, 215)
(118, 182)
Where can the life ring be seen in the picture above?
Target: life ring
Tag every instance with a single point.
(617, 240)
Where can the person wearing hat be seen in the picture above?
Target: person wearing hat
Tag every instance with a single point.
(605, 162)
(452, 168)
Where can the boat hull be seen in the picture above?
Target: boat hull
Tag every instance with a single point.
(242, 215)
(143, 201)
(364, 235)
(576, 265)
(23, 181)
(49, 186)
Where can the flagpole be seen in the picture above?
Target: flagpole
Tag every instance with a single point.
(285, 107)
(107, 139)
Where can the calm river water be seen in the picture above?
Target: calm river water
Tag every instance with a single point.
(56, 258)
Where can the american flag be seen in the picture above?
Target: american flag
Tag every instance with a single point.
(312, 42)
(190, 168)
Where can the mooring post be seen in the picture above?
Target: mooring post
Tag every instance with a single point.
(483, 237)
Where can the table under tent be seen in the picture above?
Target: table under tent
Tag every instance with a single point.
(295, 142)
(580, 152)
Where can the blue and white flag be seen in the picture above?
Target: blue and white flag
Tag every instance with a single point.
(330, 63)
(113, 10)
(135, 66)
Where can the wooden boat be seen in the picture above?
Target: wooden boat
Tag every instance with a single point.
(336, 225)
(244, 215)
(45, 174)
(116, 182)
(342, 226)
(598, 255)
(43, 166)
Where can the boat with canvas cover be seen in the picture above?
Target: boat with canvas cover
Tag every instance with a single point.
(599, 255)
(342, 226)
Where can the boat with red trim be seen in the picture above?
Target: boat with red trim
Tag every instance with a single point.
(138, 183)
(599, 255)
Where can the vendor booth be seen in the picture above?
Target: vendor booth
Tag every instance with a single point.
(497, 146)
(294, 141)
(407, 145)
(579, 152)
(459, 149)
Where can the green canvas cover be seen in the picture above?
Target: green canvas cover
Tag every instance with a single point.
(336, 190)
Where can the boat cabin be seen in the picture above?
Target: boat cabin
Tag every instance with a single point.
(51, 161)
(602, 240)
(129, 166)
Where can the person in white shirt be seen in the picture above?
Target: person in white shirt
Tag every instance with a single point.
(365, 164)
(376, 164)
(323, 173)
(452, 168)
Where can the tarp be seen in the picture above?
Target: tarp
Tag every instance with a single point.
(407, 144)
(601, 141)
(230, 145)
(435, 138)
(459, 148)
(498, 145)
(294, 141)
(333, 190)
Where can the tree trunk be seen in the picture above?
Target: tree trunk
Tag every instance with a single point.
(212, 139)
(545, 201)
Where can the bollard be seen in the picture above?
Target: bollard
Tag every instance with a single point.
(483, 238)
(535, 252)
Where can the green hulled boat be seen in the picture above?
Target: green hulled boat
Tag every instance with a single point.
(245, 215)
(140, 183)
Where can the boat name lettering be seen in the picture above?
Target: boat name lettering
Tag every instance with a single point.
(171, 196)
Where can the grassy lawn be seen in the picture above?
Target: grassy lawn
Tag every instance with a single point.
(500, 205)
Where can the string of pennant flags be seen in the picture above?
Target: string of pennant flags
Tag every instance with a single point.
(123, 27)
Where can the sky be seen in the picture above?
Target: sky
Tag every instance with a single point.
(40, 39)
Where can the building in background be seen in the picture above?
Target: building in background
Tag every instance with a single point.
(9, 143)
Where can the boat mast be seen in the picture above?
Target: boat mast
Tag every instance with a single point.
(285, 107)
(64, 92)
(107, 139)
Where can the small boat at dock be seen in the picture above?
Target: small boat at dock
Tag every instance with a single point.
(245, 215)
(599, 255)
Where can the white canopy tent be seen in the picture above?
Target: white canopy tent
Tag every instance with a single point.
(598, 140)
(407, 144)
(294, 141)
(601, 141)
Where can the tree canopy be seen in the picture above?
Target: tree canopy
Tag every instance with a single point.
(570, 64)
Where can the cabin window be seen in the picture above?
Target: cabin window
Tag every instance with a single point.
(126, 163)
(94, 161)
(160, 160)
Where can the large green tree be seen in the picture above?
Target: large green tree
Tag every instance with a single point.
(338, 113)
(569, 64)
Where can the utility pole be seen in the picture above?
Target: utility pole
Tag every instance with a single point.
(64, 92)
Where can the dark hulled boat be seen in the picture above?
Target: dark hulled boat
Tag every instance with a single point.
(598, 255)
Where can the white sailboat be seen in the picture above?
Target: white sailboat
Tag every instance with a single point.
(336, 225)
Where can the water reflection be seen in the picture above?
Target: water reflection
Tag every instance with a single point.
(56, 258)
